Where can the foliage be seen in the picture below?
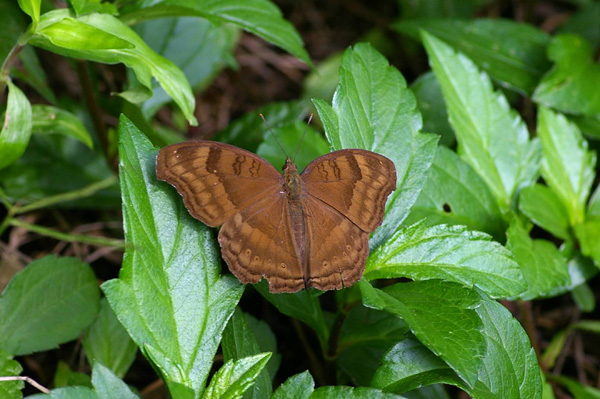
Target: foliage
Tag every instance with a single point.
(491, 203)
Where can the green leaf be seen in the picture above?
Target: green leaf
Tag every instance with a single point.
(594, 204)
(571, 85)
(13, 26)
(54, 165)
(67, 393)
(568, 165)
(103, 38)
(449, 253)
(364, 338)
(108, 385)
(584, 297)
(578, 390)
(492, 137)
(374, 110)
(266, 342)
(584, 23)
(238, 342)
(455, 194)
(509, 368)
(16, 129)
(431, 105)
(512, 53)
(260, 17)
(439, 8)
(545, 209)
(250, 131)
(302, 305)
(588, 235)
(52, 120)
(299, 386)
(107, 342)
(199, 48)
(235, 377)
(89, 6)
(410, 365)
(31, 8)
(342, 392)
(543, 266)
(435, 311)
(589, 125)
(10, 367)
(47, 304)
(290, 136)
(65, 376)
(170, 295)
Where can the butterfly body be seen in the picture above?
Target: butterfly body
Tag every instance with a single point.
(296, 230)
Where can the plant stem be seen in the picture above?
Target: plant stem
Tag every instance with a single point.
(10, 60)
(69, 196)
(100, 241)
(526, 313)
(29, 380)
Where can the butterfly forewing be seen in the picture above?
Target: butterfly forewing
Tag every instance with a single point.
(354, 182)
(216, 180)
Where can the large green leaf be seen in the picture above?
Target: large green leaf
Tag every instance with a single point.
(107, 342)
(235, 377)
(410, 365)
(492, 137)
(442, 316)
(373, 109)
(450, 253)
(170, 295)
(299, 386)
(568, 165)
(572, 85)
(261, 17)
(198, 47)
(239, 341)
(455, 194)
(67, 393)
(511, 53)
(343, 392)
(103, 38)
(16, 129)
(543, 266)
(47, 304)
(544, 208)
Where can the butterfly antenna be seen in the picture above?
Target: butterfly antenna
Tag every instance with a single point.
(275, 137)
(302, 138)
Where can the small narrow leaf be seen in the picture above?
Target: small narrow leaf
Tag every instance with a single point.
(455, 194)
(299, 386)
(10, 367)
(578, 390)
(104, 38)
(52, 120)
(47, 304)
(108, 385)
(16, 130)
(492, 137)
(512, 53)
(373, 109)
(545, 209)
(170, 295)
(235, 377)
(543, 266)
(568, 165)
(571, 86)
(31, 8)
(449, 253)
(442, 316)
(107, 342)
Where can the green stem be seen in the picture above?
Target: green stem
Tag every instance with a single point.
(10, 60)
(99, 241)
(70, 196)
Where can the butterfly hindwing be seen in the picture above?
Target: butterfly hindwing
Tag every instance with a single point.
(216, 180)
(354, 182)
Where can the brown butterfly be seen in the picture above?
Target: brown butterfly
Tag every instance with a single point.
(296, 230)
